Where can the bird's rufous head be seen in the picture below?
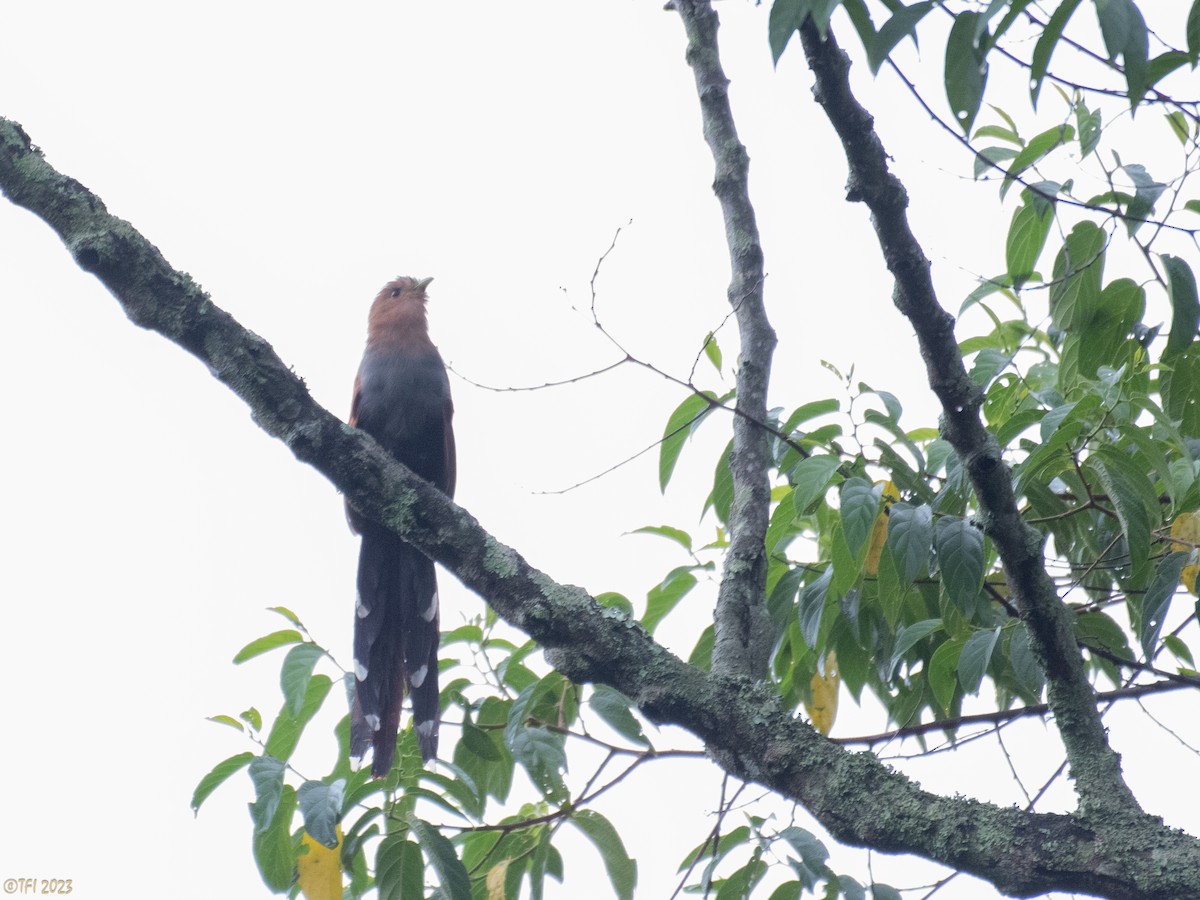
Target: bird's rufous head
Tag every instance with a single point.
(398, 313)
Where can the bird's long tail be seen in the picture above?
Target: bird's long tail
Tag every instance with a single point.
(395, 647)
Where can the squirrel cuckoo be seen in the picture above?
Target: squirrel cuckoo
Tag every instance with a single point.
(402, 399)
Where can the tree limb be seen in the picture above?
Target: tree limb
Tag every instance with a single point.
(741, 624)
(1094, 766)
(858, 799)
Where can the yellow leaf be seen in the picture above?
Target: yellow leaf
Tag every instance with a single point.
(823, 708)
(495, 880)
(320, 869)
(879, 530)
(1186, 531)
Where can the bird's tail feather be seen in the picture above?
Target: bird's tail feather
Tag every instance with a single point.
(395, 647)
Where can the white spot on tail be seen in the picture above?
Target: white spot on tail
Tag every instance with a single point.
(373, 721)
(360, 671)
(425, 729)
(431, 610)
(360, 608)
(418, 677)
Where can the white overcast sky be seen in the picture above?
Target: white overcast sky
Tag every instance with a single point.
(294, 157)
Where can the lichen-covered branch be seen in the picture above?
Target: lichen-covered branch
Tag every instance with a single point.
(742, 626)
(1094, 766)
(858, 799)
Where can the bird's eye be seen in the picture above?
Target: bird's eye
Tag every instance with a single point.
(395, 292)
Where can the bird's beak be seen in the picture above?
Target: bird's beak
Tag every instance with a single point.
(424, 283)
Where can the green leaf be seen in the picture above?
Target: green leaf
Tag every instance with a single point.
(682, 538)
(712, 351)
(266, 773)
(1146, 194)
(1193, 32)
(974, 659)
(1026, 238)
(1179, 125)
(812, 851)
(439, 852)
(1089, 123)
(907, 638)
(859, 500)
(622, 871)
(785, 20)
(321, 807)
(1046, 44)
(273, 845)
(227, 720)
(613, 707)
(287, 614)
(701, 655)
(959, 548)
(810, 606)
(1100, 630)
(1026, 668)
(682, 422)
(295, 674)
(217, 776)
(268, 642)
(665, 596)
(1124, 32)
(910, 538)
(810, 478)
(1157, 599)
(540, 751)
(992, 158)
(884, 892)
(902, 23)
(1185, 307)
(1035, 151)
(399, 870)
(943, 672)
(285, 732)
(1128, 490)
(1078, 270)
(966, 67)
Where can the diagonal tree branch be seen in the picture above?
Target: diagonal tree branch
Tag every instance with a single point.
(1095, 767)
(858, 799)
(741, 624)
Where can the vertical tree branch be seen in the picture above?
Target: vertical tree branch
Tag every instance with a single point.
(743, 629)
(1094, 766)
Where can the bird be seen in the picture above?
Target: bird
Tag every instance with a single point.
(402, 399)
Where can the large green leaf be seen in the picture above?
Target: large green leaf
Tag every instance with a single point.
(285, 732)
(910, 538)
(1185, 307)
(321, 807)
(399, 869)
(622, 871)
(907, 638)
(439, 853)
(943, 672)
(902, 24)
(268, 642)
(1035, 151)
(959, 548)
(1157, 599)
(666, 595)
(859, 500)
(273, 845)
(1026, 238)
(1131, 494)
(215, 778)
(810, 478)
(682, 422)
(1046, 44)
(1078, 270)
(295, 674)
(614, 708)
(974, 659)
(1125, 34)
(966, 67)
